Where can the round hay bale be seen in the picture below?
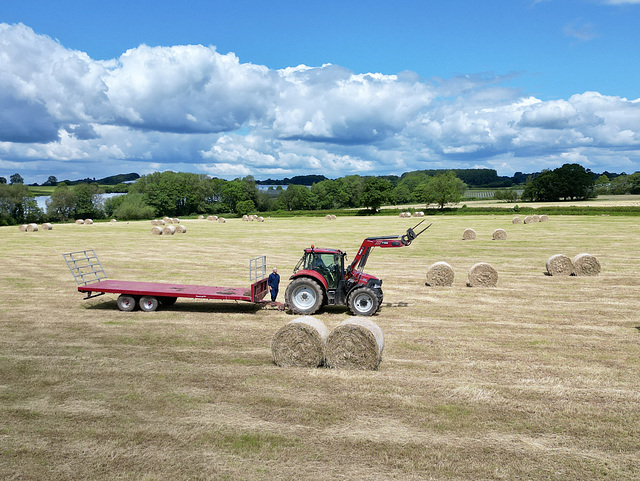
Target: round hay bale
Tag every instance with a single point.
(245, 218)
(222, 220)
(200, 217)
(260, 219)
(113, 220)
(333, 217)
(80, 221)
(32, 227)
(544, 218)
(168, 230)
(535, 217)
(355, 344)
(300, 343)
(175, 221)
(156, 230)
(469, 234)
(88, 221)
(167, 220)
(499, 234)
(209, 217)
(440, 274)
(528, 220)
(586, 265)
(516, 220)
(22, 228)
(328, 216)
(154, 222)
(47, 226)
(181, 229)
(483, 274)
(559, 265)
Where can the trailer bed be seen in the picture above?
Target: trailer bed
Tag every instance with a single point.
(93, 281)
(255, 293)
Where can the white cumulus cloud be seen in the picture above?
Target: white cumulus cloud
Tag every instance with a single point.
(190, 107)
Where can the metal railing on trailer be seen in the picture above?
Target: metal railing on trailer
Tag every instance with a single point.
(257, 268)
(85, 268)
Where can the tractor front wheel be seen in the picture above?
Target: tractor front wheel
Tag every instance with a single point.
(363, 301)
(303, 296)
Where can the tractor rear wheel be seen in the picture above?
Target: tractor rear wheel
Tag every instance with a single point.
(363, 301)
(304, 296)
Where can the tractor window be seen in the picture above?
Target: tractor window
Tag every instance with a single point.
(327, 265)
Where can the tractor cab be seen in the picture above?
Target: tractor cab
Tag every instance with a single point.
(328, 263)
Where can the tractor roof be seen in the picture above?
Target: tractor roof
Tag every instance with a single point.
(320, 250)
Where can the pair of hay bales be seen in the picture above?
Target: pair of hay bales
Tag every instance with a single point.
(306, 342)
(84, 221)
(330, 217)
(498, 234)
(33, 227)
(482, 274)
(169, 230)
(403, 215)
(580, 265)
(212, 218)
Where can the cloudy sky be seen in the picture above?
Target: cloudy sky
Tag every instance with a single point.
(335, 87)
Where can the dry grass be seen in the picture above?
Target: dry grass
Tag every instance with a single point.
(538, 378)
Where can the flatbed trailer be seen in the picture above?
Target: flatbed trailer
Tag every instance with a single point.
(92, 280)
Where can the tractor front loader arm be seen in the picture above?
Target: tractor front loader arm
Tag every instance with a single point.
(362, 256)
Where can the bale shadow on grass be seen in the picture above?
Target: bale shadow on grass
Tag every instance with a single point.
(190, 306)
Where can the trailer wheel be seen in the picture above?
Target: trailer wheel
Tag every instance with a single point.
(148, 303)
(303, 296)
(363, 301)
(167, 301)
(126, 303)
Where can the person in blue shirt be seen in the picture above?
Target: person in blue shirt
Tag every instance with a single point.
(274, 283)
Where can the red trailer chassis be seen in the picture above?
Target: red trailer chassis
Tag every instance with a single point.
(92, 280)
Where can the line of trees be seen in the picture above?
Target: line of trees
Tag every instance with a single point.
(182, 194)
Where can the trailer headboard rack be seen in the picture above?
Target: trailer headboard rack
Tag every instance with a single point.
(85, 267)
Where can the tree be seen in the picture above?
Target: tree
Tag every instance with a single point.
(16, 179)
(442, 189)
(575, 182)
(3, 180)
(245, 207)
(634, 181)
(571, 181)
(17, 206)
(62, 203)
(132, 207)
(376, 191)
(52, 180)
(296, 197)
(88, 203)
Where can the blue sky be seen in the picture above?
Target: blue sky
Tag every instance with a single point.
(282, 88)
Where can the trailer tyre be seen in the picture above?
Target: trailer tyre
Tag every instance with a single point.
(167, 301)
(304, 296)
(148, 303)
(363, 301)
(126, 303)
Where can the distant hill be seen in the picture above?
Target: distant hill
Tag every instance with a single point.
(295, 180)
(111, 180)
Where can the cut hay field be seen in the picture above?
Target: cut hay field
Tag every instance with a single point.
(537, 378)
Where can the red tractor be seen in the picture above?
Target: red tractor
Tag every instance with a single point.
(320, 278)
